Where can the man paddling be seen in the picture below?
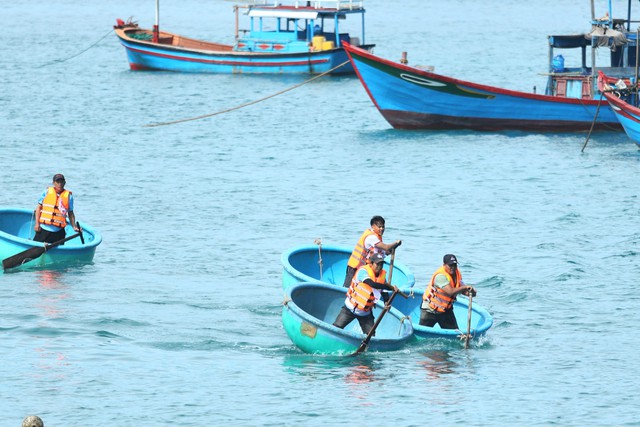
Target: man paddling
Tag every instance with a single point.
(437, 301)
(370, 242)
(363, 293)
(54, 207)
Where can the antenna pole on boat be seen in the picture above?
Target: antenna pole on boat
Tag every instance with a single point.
(635, 81)
(157, 25)
(593, 48)
(235, 9)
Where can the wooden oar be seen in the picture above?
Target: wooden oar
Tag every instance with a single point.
(468, 337)
(387, 307)
(33, 253)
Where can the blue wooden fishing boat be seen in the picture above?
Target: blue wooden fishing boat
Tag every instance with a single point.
(289, 36)
(328, 264)
(623, 100)
(16, 232)
(311, 308)
(413, 98)
(481, 320)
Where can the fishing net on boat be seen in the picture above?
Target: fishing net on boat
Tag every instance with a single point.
(606, 37)
(141, 36)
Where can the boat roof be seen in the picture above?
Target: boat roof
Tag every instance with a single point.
(302, 9)
(601, 37)
(294, 14)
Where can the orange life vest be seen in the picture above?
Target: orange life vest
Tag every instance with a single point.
(360, 255)
(55, 208)
(437, 299)
(360, 294)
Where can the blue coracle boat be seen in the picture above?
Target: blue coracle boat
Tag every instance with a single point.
(414, 98)
(310, 310)
(623, 100)
(288, 36)
(481, 320)
(16, 232)
(328, 264)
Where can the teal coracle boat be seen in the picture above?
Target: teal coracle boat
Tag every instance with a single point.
(328, 264)
(16, 232)
(481, 320)
(311, 308)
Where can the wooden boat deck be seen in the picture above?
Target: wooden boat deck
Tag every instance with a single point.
(176, 40)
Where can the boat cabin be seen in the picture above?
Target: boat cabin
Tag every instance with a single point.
(581, 82)
(300, 26)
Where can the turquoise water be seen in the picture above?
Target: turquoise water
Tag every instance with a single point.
(177, 321)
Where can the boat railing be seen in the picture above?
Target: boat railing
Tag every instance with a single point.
(317, 4)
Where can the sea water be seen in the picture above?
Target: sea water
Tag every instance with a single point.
(177, 322)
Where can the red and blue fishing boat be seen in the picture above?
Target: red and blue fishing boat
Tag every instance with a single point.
(282, 37)
(623, 99)
(415, 98)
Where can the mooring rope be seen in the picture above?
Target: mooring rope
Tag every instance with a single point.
(248, 103)
(593, 123)
(77, 54)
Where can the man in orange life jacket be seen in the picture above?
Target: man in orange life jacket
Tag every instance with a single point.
(437, 301)
(363, 293)
(370, 242)
(54, 206)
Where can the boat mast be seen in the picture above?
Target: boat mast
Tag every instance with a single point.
(593, 46)
(156, 26)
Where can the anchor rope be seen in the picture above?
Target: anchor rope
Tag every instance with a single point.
(204, 116)
(77, 54)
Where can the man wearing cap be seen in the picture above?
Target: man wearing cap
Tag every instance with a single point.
(363, 293)
(54, 206)
(369, 242)
(437, 301)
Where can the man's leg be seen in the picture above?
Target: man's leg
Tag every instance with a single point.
(345, 316)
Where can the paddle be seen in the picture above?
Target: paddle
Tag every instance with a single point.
(387, 307)
(33, 253)
(468, 337)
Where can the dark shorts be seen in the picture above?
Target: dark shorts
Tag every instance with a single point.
(49, 236)
(446, 320)
(348, 276)
(346, 316)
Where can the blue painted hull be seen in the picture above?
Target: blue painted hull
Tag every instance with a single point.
(152, 56)
(481, 320)
(627, 114)
(16, 232)
(311, 308)
(411, 98)
(302, 264)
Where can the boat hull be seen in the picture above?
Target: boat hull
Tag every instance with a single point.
(16, 232)
(411, 98)
(627, 114)
(310, 310)
(302, 264)
(481, 320)
(147, 55)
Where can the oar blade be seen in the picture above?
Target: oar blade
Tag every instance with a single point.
(80, 232)
(24, 256)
